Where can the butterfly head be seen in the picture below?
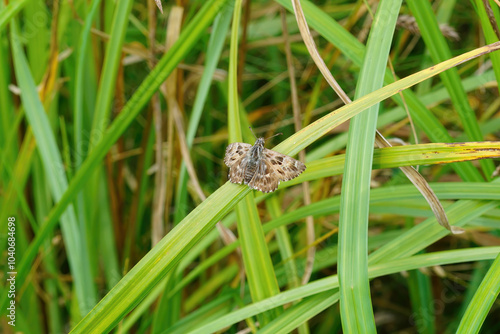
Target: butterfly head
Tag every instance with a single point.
(257, 148)
(260, 141)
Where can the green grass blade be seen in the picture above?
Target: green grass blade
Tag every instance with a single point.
(319, 128)
(489, 34)
(192, 276)
(482, 301)
(42, 203)
(355, 301)
(300, 313)
(78, 110)
(233, 112)
(256, 258)
(52, 161)
(420, 289)
(331, 282)
(214, 206)
(109, 73)
(159, 261)
(397, 114)
(10, 11)
(428, 232)
(258, 265)
(205, 314)
(409, 155)
(285, 244)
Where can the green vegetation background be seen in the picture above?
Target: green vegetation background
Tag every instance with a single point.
(114, 122)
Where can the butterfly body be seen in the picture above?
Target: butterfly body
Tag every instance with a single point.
(254, 156)
(260, 168)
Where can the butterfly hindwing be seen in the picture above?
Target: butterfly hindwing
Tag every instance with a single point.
(237, 171)
(264, 179)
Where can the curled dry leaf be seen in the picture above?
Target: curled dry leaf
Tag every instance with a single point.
(421, 184)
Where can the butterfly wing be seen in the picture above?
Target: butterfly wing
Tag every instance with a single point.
(264, 179)
(285, 167)
(235, 152)
(236, 160)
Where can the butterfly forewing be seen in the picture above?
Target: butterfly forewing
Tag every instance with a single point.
(235, 152)
(285, 167)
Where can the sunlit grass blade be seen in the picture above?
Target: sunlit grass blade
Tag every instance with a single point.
(408, 155)
(319, 128)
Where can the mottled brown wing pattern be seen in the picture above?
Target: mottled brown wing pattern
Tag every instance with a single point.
(265, 179)
(235, 152)
(237, 171)
(261, 172)
(285, 167)
(236, 160)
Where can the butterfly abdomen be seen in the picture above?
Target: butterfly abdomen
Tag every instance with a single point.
(250, 171)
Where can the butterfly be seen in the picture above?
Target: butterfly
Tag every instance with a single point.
(260, 168)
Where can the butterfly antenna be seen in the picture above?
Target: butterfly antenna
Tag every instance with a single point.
(278, 134)
(252, 132)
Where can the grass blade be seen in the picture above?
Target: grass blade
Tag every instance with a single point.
(331, 282)
(482, 301)
(355, 301)
(52, 161)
